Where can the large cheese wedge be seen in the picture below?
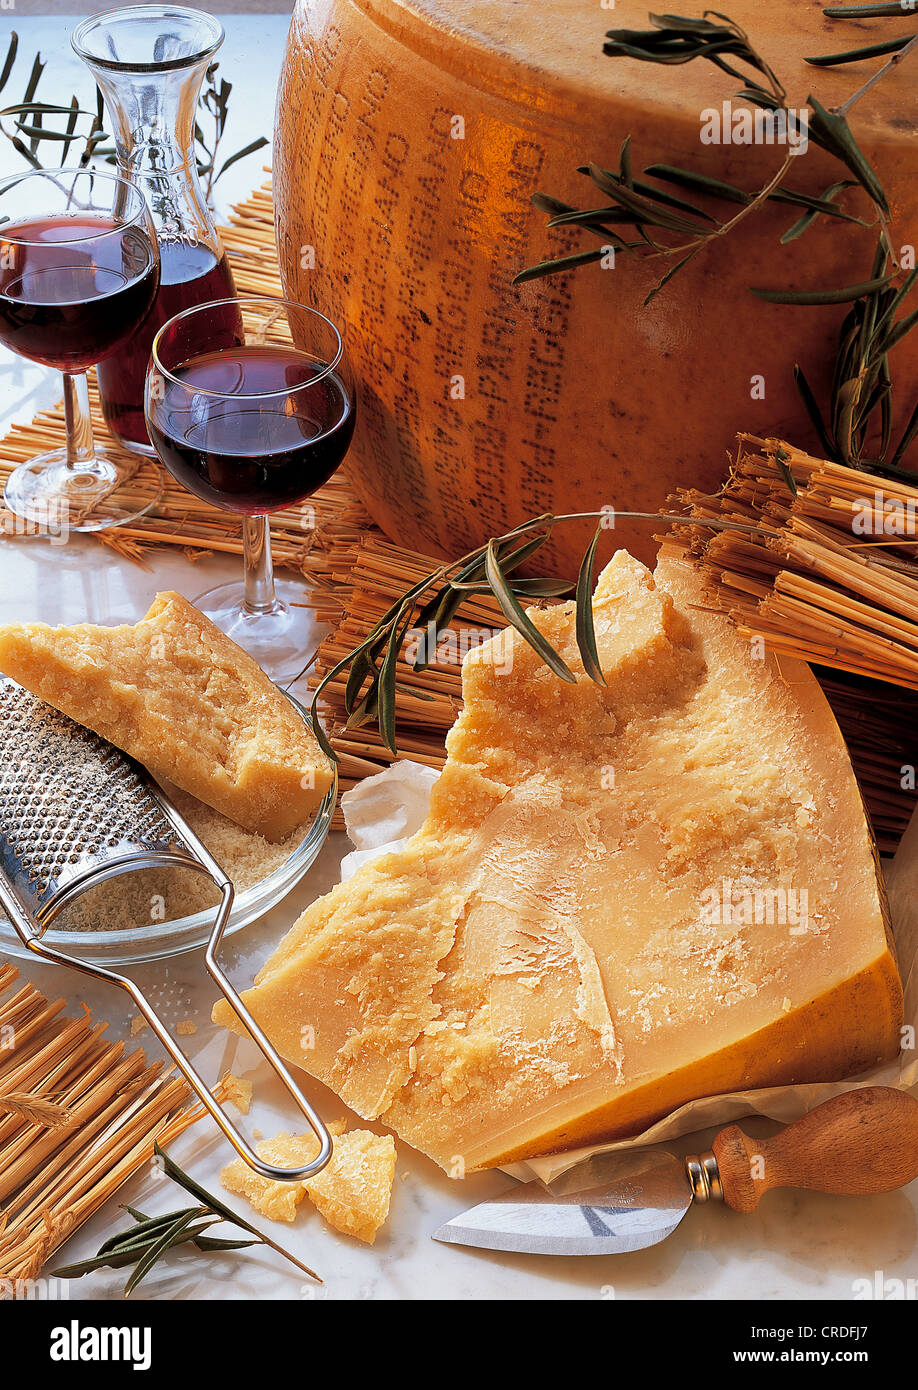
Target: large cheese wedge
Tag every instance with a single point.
(183, 699)
(623, 898)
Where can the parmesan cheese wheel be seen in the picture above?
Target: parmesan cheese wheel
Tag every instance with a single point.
(410, 136)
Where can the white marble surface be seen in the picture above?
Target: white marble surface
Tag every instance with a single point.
(798, 1245)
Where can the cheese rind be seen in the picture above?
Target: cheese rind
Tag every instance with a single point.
(624, 897)
(183, 699)
(552, 425)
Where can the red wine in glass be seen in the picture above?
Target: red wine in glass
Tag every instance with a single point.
(190, 274)
(228, 432)
(73, 289)
(253, 428)
(79, 270)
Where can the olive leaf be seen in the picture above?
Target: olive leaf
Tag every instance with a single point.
(781, 459)
(857, 55)
(894, 10)
(386, 684)
(832, 133)
(517, 618)
(812, 409)
(11, 51)
(586, 635)
(560, 263)
(251, 148)
(839, 296)
(882, 49)
(825, 203)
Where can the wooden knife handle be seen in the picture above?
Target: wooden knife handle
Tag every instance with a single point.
(857, 1143)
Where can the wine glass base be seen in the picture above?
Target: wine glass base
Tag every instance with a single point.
(282, 641)
(58, 500)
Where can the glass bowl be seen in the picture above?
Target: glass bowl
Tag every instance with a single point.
(158, 940)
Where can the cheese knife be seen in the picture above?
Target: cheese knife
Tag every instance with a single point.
(859, 1143)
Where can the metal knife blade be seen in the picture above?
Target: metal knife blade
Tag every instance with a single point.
(609, 1204)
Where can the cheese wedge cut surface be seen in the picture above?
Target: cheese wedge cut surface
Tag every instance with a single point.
(183, 699)
(624, 897)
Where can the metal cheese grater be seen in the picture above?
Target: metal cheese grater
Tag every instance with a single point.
(74, 811)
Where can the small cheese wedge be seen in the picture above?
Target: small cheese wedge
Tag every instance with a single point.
(238, 1091)
(625, 896)
(352, 1192)
(183, 699)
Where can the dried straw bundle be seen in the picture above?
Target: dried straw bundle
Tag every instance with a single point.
(826, 576)
(77, 1118)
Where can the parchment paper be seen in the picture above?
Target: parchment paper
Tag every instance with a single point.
(383, 812)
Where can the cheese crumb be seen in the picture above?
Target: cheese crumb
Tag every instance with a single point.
(186, 1028)
(238, 1092)
(138, 1024)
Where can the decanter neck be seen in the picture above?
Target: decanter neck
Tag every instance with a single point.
(153, 116)
(153, 119)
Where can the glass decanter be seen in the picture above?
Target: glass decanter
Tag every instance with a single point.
(150, 62)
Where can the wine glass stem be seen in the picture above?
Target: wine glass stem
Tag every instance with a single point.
(81, 451)
(259, 568)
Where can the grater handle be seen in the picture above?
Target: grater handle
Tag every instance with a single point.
(190, 1073)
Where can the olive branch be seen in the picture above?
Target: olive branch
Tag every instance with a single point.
(640, 212)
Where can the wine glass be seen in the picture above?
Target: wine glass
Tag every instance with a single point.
(251, 429)
(79, 271)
